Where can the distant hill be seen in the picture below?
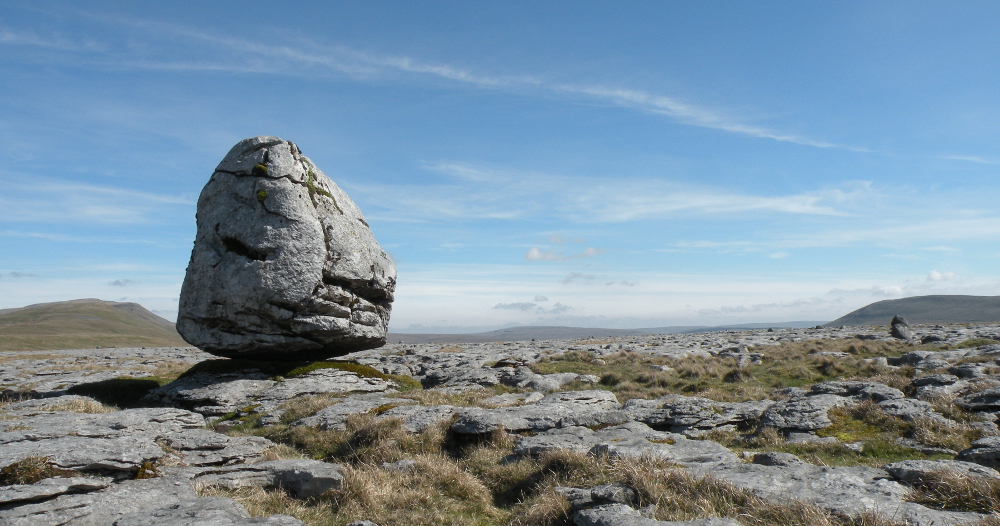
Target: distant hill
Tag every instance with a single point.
(926, 309)
(80, 324)
(539, 332)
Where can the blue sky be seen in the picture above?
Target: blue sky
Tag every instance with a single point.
(611, 164)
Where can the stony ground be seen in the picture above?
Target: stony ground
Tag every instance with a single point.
(791, 426)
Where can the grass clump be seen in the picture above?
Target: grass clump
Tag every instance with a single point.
(975, 342)
(950, 490)
(31, 470)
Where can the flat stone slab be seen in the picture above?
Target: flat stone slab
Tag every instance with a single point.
(681, 413)
(623, 515)
(302, 478)
(803, 413)
(632, 439)
(335, 416)
(913, 471)
(847, 491)
(206, 511)
(212, 394)
(555, 410)
(118, 441)
(417, 418)
(51, 487)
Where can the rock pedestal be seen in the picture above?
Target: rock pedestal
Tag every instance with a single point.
(284, 265)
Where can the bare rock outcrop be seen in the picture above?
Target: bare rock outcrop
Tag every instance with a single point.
(284, 265)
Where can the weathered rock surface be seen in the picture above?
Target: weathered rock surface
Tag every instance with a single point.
(335, 416)
(568, 408)
(807, 413)
(913, 471)
(847, 491)
(694, 415)
(623, 515)
(632, 439)
(284, 265)
(207, 511)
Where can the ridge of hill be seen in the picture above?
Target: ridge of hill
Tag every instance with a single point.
(926, 309)
(84, 323)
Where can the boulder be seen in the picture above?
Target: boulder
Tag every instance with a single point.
(900, 328)
(284, 265)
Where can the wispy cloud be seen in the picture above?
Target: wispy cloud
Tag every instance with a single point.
(523, 307)
(536, 254)
(970, 158)
(304, 57)
(479, 192)
(121, 282)
(48, 200)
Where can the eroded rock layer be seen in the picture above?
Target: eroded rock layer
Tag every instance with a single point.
(284, 264)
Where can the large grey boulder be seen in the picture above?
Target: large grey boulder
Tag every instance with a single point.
(807, 413)
(284, 265)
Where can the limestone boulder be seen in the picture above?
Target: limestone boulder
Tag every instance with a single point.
(284, 265)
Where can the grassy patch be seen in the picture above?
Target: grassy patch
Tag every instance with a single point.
(31, 470)
(791, 364)
(975, 342)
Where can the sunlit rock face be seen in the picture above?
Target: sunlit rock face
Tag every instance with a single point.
(284, 265)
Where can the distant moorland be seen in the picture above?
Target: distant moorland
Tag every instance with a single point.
(84, 323)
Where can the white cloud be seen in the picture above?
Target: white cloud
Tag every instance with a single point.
(875, 290)
(537, 254)
(969, 158)
(778, 255)
(541, 298)
(940, 276)
(523, 307)
(121, 282)
(578, 276)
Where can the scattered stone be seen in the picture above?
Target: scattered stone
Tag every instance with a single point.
(900, 328)
(774, 458)
(284, 265)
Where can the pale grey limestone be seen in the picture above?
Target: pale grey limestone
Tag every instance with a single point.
(555, 410)
(847, 491)
(913, 471)
(49, 488)
(807, 413)
(205, 511)
(417, 418)
(335, 416)
(623, 515)
(284, 265)
(690, 414)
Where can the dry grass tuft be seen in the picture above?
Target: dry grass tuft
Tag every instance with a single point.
(949, 490)
(31, 470)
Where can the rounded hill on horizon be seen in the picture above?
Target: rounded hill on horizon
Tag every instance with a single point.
(84, 323)
(926, 309)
